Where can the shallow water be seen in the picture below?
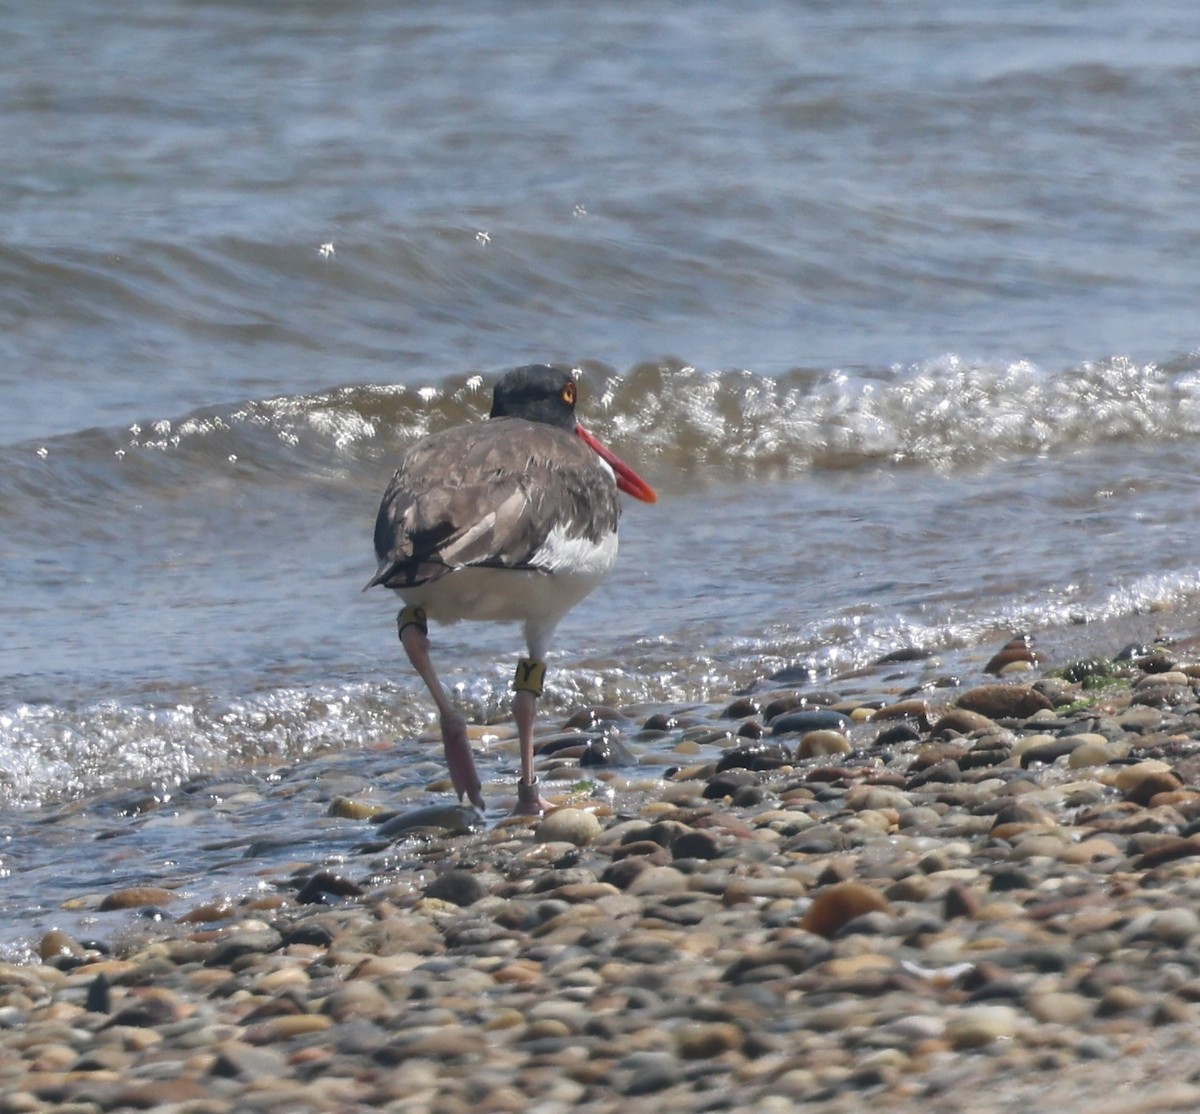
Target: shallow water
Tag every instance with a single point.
(895, 307)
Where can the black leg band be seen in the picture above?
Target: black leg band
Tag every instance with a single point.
(528, 796)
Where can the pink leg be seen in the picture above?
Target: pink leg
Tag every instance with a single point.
(459, 759)
(529, 798)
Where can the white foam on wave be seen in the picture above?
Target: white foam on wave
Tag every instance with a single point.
(48, 752)
(940, 413)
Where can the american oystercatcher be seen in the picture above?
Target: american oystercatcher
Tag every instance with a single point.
(512, 519)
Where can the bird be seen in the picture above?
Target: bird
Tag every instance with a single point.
(509, 519)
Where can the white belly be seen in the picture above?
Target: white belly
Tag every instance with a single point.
(537, 599)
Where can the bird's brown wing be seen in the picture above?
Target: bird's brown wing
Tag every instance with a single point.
(488, 495)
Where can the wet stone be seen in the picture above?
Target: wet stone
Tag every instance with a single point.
(750, 795)
(940, 773)
(1049, 751)
(961, 721)
(232, 947)
(755, 756)
(742, 708)
(1164, 696)
(728, 782)
(623, 873)
(347, 809)
(453, 819)
(792, 674)
(1016, 652)
(608, 751)
(929, 756)
(657, 880)
(1091, 753)
(570, 745)
(809, 719)
(896, 735)
(308, 934)
(56, 946)
(1004, 701)
(594, 715)
(820, 743)
(325, 888)
(459, 887)
(696, 845)
(568, 825)
(647, 849)
(1141, 789)
(136, 897)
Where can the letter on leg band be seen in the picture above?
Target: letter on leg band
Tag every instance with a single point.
(412, 616)
(531, 676)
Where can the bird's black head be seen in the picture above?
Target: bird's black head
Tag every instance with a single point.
(537, 393)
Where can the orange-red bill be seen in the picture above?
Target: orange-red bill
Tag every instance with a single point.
(627, 479)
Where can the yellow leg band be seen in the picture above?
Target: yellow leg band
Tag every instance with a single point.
(411, 616)
(531, 676)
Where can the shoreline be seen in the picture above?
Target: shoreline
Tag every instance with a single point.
(986, 897)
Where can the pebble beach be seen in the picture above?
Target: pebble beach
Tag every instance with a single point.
(967, 894)
(895, 307)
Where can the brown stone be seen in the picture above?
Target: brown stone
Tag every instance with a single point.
(704, 1041)
(961, 721)
(287, 1027)
(905, 709)
(819, 744)
(1155, 783)
(960, 901)
(1169, 851)
(1016, 651)
(57, 943)
(835, 907)
(136, 897)
(520, 971)
(1005, 701)
(205, 914)
(159, 1093)
(929, 757)
(1174, 798)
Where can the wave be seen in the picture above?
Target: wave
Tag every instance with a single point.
(50, 751)
(940, 414)
(722, 424)
(53, 751)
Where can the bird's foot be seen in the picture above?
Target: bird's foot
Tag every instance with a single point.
(460, 761)
(530, 801)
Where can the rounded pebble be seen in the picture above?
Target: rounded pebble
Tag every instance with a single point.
(568, 825)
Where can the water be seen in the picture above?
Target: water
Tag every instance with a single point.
(894, 305)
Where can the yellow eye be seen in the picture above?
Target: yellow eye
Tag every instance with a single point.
(568, 394)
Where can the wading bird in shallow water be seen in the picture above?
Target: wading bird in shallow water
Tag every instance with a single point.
(512, 519)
